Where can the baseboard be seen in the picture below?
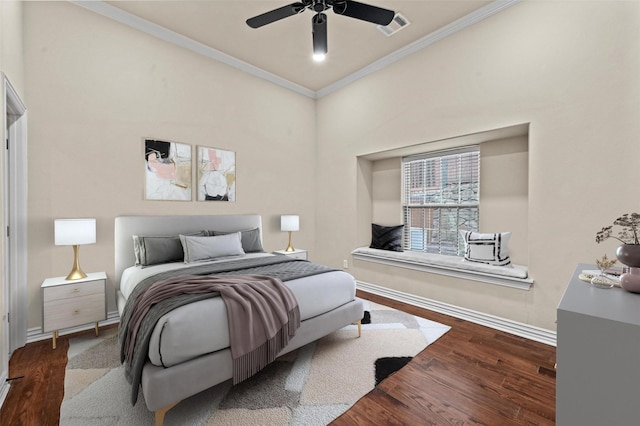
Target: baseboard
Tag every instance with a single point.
(35, 334)
(517, 328)
(513, 327)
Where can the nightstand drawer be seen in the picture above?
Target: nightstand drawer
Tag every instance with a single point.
(80, 289)
(70, 312)
(72, 303)
(298, 255)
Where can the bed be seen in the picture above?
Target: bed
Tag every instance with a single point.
(179, 361)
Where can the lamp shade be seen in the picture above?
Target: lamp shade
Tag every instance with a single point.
(71, 232)
(289, 222)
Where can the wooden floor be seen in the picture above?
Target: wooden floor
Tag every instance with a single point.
(37, 385)
(471, 375)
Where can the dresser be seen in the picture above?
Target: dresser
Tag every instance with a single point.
(70, 303)
(598, 355)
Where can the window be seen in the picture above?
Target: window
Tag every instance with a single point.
(440, 198)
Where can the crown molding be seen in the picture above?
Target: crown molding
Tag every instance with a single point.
(165, 34)
(439, 34)
(133, 21)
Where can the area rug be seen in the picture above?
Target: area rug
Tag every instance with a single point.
(310, 386)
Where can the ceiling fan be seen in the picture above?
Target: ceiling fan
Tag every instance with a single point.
(349, 8)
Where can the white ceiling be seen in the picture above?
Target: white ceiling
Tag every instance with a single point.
(281, 51)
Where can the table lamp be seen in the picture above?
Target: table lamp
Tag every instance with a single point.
(289, 223)
(75, 232)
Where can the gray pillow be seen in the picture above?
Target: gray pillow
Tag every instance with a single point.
(156, 249)
(250, 239)
(207, 248)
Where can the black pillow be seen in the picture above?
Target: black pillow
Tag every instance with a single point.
(386, 237)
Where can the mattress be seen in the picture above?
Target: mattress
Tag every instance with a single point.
(201, 328)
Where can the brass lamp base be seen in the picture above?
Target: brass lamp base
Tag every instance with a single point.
(76, 272)
(290, 247)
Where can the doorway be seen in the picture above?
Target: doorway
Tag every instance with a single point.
(14, 320)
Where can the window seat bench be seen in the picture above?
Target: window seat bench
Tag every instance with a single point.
(516, 276)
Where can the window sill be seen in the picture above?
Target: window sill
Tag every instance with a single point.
(515, 277)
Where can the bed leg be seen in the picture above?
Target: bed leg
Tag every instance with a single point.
(161, 412)
(359, 328)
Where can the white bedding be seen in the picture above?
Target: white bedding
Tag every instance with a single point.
(201, 327)
(134, 274)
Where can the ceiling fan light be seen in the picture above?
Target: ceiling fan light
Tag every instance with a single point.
(319, 26)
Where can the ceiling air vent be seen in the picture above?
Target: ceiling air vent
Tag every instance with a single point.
(398, 23)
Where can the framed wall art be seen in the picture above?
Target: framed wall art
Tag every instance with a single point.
(216, 174)
(167, 170)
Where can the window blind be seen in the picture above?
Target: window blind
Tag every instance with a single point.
(441, 194)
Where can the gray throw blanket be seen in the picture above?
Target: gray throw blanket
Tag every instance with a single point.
(281, 267)
(263, 315)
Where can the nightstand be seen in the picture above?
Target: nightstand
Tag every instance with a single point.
(296, 254)
(68, 304)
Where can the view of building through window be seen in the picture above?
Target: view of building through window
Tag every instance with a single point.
(440, 198)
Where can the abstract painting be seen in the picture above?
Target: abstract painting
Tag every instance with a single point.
(216, 174)
(167, 170)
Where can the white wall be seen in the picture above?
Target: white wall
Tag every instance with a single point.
(570, 69)
(504, 193)
(11, 65)
(96, 88)
(386, 192)
(11, 58)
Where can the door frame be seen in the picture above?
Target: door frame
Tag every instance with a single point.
(15, 218)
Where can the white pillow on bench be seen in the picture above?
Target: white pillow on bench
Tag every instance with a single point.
(490, 249)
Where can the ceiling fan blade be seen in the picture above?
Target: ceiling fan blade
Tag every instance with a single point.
(275, 15)
(319, 25)
(364, 12)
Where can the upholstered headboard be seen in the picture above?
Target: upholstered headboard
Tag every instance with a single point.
(128, 226)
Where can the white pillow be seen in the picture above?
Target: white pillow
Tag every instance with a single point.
(206, 248)
(492, 249)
